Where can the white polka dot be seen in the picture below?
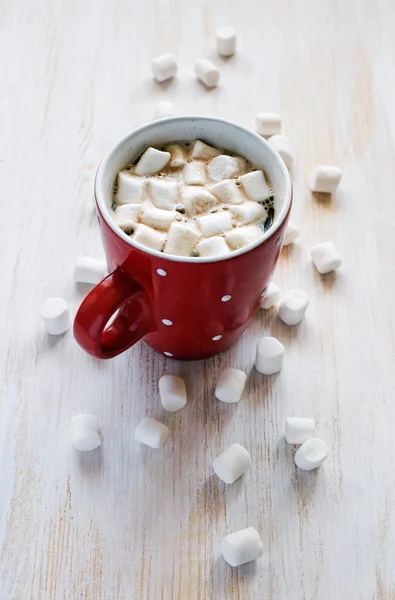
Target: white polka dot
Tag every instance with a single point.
(226, 298)
(168, 354)
(161, 272)
(216, 338)
(167, 322)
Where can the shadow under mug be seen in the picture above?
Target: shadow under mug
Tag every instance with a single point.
(183, 307)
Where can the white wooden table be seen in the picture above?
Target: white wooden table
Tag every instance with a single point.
(128, 523)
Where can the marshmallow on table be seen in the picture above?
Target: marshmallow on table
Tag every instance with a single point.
(227, 191)
(268, 123)
(255, 186)
(89, 270)
(84, 432)
(194, 173)
(231, 464)
(204, 151)
(163, 109)
(242, 547)
(226, 41)
(158, 218)
(181, 239)
(173, 393)
(249, 212)
(197, 200)
(163, 193)
(149, 237)
(291, 234)
(130, 189)
(299, 429)
(151, 433)
(55, 315)
(269, 356)
(242, 236)
(207, 72)
(214, 223)
(223, 166)
(152, 161)
(271, 296)
(325, 179)
(293, 307)
(213, 246)
(126, 216)
(325, 257)
(311, 454)
(230, 385)
(164, 66)
(177, 156)
(281, 144)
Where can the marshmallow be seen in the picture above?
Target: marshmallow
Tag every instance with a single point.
(269, 356)
(325, 179)
(293, 307)
(158, 218)
(177, 156)
(151, 433)
(130, 189)
(164, 67)
(126, 216)
(181, 239)
(163, 109)
(281, 145)
(298, 430)
(325, 257)
(89, 270)
(311, 454)
(194, 173)
(230, 385)
(152, 161)
(268, 124)
(255, 186)
(223, 167)
(173, 393)
(291, 234)
(207, 72)
(213, 246)
(149, 237)
(242, 546)
(231, 464)
(226, 41)
(163, 193)
(242, 236)
(198, 200)
(271, 296)
(203, 151)
(55, 315)
(214, 223)
(84, 432)
(227, 191)
(249, 212)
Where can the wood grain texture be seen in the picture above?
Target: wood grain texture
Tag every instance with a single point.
(126, 522)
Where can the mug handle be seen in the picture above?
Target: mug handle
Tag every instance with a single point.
(117, 292)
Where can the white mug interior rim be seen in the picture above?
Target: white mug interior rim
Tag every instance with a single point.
(214, 131)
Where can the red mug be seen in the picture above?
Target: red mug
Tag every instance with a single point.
(183, 307)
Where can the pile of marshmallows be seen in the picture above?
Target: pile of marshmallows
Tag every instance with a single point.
(245, 545)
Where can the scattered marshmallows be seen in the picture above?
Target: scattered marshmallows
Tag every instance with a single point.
(271, 296)
(151, 433)
(89, 270)
(311, 454)
(269, 356)
(173, 393)
(163, 109)
(299, 430)
(268, 124)
(291, 234)
(164, 67)
(325, 179)
(282, 146)
(242, 546)
(226, 41)
(325, 258)
(230, 385)
(293, 307)
(232, 464)
(84, 432)
(55, 315)
(207, 72)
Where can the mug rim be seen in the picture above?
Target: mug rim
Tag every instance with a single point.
(102, 205)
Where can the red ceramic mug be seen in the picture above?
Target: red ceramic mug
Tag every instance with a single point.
(183, 307)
